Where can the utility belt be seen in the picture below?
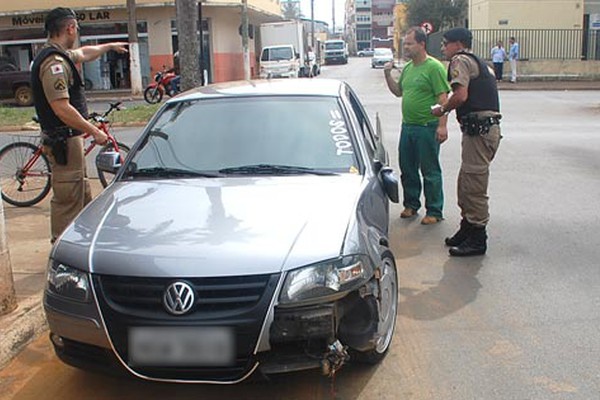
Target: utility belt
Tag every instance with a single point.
(57, 141)
(475, 125)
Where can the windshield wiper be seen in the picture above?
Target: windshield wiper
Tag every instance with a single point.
(271, 169)
(164, 172)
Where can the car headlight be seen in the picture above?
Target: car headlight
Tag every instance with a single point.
(328, 278)
(68, 282)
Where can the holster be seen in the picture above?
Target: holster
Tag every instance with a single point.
(474, 125)
(57, 141)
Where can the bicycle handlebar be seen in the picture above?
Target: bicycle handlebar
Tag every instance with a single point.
(101, 117)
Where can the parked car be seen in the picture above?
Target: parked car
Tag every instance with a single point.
(246, 230)
(365, 52)
(16, 85)
(381, 56)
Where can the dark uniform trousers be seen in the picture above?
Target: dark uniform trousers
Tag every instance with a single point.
(477, 153)
(70, 186)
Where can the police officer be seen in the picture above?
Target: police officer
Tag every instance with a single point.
(475, 98)
(62, 110)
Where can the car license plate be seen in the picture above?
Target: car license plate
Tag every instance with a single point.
(179, 346)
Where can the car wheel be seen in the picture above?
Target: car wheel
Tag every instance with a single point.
(24, 96)
(388, 309)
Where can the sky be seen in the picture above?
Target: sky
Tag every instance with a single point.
(323, 9)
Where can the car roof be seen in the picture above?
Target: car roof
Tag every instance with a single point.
(266, 87)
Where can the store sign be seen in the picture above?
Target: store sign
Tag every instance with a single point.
(38, 19)
(595, 21)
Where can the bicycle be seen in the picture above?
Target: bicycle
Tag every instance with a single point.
(25, 170)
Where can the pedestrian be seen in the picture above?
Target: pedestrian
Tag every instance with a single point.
(513, 56)
(474, 96)
(498, 57)
(422, 84)
(60, 104)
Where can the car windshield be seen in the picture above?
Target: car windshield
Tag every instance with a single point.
(277, 54)
(247, 135)
(383, 52)
(334, 46)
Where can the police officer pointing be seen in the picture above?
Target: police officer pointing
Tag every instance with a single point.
(62, 110)
(475, 98)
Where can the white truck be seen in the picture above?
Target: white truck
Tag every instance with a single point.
(336, 51)
(284, 50)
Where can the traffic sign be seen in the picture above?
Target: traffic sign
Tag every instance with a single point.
(427, 27)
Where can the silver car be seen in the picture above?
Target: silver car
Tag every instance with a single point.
(247, 231)
(381, 56)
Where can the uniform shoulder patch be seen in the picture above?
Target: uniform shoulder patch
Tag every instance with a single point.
(455, 73)
(57, 69)
(60, 85)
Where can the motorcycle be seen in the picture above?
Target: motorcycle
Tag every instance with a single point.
(166, 81)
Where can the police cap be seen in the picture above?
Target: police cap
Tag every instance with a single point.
(462, 35)
(56, 15)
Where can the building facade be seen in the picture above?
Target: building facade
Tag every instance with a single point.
(21, 35)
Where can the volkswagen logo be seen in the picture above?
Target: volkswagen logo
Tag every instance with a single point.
(179, 298)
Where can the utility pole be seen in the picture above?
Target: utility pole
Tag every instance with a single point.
(135, 71)
(187, 34)
(333, 17)
(312, 24)
(245, 50)
(8, 298)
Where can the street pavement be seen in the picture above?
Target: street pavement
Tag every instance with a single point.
(29, 244)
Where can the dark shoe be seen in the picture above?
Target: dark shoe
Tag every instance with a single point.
(408, 213)
(461, 235)
(474, 245)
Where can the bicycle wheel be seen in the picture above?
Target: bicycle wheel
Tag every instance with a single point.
(107, 177)
(23, 188)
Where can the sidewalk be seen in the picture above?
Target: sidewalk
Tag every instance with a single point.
(28, 237)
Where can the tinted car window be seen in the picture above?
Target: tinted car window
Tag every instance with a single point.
(277, 54)
(210, 135)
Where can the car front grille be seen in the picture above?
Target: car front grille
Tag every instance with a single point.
(239, 303)
(143, 296)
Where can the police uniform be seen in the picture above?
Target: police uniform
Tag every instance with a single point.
(479, 118)
(54, 76)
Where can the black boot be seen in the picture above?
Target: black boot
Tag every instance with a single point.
(461, 235)
(474, 245)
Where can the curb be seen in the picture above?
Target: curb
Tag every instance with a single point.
(21, 327)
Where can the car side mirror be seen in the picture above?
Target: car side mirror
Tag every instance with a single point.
(390, 183)
(109, 161)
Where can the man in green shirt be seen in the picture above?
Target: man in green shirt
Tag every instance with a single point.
(422, 84)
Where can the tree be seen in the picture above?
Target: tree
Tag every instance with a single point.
(8, 299)
(189, 43)
(291, 9)
(443, 14)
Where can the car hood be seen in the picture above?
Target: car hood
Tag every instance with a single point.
(212, 227)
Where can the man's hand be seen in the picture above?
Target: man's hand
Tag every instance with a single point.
(388, 66)
(442, 134)
(438, 110)
(99, 136)
(119, 47)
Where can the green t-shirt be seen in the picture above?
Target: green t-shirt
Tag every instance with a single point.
(421, 85)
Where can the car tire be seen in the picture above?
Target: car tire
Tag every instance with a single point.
(24, 96)
(389, 308)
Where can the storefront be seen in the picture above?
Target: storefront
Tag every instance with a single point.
(22, 35)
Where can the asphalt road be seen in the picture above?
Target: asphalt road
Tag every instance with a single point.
(519, 323)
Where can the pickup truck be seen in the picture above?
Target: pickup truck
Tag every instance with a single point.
(16, 85)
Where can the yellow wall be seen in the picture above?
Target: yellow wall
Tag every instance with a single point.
(526, 14)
